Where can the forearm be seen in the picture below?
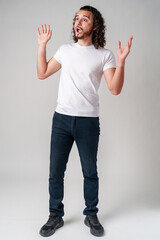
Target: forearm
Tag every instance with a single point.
(118, 78)
(41, 60)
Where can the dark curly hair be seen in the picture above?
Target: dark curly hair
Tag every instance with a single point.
(98, 38)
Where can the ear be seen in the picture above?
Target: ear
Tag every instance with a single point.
(95, 27)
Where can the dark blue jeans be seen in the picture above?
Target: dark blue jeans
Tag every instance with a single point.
(85, 132)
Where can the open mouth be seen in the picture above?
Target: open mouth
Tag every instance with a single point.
(78, 30)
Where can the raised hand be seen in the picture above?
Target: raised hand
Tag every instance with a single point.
(122, 53)
(45, 34)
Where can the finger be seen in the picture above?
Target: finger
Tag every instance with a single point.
(119, 44)
(50, 34)
(48, 29)
(131, 38)
(45, 29)
(128, 45)
(38, 31)
(42, 28)
(130, 41)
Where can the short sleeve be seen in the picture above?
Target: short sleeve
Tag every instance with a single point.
(110, 60)
(57, 55)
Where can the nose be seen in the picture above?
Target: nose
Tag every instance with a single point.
(79, 21)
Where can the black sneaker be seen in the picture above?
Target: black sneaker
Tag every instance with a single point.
(54, 222)
(95, 227)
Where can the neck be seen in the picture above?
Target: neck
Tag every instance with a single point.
(85, 42)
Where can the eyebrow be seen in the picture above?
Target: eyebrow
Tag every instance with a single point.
(83, 16)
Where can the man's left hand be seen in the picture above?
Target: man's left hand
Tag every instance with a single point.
(122, 53)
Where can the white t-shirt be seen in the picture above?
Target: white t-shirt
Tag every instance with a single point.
(81, 73)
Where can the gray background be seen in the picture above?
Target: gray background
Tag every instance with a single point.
(128, 155)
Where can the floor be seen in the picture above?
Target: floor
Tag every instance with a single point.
(24, 210)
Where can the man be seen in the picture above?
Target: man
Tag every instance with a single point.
(76, 117)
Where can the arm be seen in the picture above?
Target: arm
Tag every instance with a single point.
(115, 76)
(44, 68)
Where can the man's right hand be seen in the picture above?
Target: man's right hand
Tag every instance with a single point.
(45, 34)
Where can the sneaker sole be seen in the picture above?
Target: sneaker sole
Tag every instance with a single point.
(92, 232)
(53, 230)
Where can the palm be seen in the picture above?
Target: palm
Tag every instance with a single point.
(43, 37)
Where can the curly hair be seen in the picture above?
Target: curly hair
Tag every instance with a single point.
(98, 38)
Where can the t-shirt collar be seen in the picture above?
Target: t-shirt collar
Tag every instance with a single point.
(79, 46)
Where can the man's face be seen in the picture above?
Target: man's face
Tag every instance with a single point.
(83, 26)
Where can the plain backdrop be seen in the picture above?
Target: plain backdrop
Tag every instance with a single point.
(129, 150)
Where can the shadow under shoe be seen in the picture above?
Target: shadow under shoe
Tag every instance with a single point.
(54, 222)
(93, 223)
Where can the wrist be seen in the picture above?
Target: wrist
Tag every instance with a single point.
(120, 63)
(42, 44)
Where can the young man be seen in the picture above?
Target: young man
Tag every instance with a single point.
(76, 117)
